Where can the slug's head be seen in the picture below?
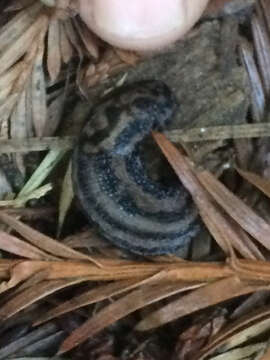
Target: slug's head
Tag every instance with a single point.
(155, 99)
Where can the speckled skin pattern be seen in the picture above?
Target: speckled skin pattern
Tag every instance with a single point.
(130, 209)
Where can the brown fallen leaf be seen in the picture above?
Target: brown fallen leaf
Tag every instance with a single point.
(30, 295)
(54, 52)
(99, 293)
(65, 45)
(38, 91)
(261, 42)
(6, 266)
(248, 269)
(17, 49)
(265, 7)
(168, 275)
(18, 85)
(121, 270)
(32, 281)
(109, 64)
(237, 209)
(202, 298)
(42, 241)
(73, 37)
(88, 39)
(137, 299)
(266, 356)
(20, 271)
(257, 91)
(197, 335)
(129, 57)
(91, 296)
(19, 247)
(115, 269)
(7, 79)
(256, 180)
(13, 29)
(231, 332)
(227, 234)
(66, 198)
(18, 121)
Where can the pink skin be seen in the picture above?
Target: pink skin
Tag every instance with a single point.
(143, 25)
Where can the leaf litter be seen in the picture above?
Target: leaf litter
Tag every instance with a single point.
(39, 268)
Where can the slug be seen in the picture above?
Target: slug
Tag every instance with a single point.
(131, 209)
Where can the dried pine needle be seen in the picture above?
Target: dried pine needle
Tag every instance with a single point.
(65, 198)
(36, 144)
(244, 131)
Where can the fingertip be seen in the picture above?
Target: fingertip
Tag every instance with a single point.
(142, 25)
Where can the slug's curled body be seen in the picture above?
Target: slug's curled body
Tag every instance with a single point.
(110, 179)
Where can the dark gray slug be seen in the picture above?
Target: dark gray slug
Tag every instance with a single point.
(110, 178)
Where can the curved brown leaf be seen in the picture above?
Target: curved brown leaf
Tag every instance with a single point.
(135, 300)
